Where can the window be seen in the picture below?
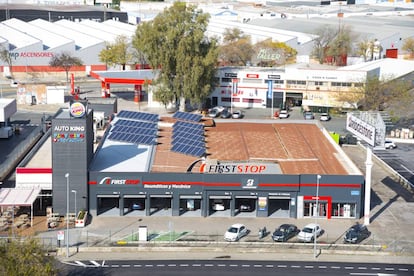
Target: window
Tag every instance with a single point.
(346, 210)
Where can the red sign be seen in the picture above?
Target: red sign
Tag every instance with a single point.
(252, 76)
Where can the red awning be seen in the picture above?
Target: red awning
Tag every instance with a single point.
(125, 77)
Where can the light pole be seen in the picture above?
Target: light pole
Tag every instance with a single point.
(74, 191)
(318, 177)
(67, 215)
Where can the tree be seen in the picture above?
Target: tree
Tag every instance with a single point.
(65, 61)
(6, 57)
(176, 44)
(25, 257)
(340, 46)
(237, 49)
(377, 94)
(117, 52)
(409, 46)
(325, 36)
(271, 53)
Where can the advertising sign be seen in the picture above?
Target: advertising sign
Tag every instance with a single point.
(361, 129)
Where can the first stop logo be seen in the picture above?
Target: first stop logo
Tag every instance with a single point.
(233, 168)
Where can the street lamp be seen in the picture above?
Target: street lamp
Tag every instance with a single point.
(67, 215)
(74, 191)
(318, 178)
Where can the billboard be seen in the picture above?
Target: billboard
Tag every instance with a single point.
(361, 129)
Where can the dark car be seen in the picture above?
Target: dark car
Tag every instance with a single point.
(225, 114)
(356, 233)
(285, 232)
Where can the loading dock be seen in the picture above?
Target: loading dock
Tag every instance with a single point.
(160, 205)
(190, 205)
(108, 205)
(279, 206)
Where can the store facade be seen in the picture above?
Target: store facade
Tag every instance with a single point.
(177, 194)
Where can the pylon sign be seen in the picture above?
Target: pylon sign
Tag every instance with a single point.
(361, 129)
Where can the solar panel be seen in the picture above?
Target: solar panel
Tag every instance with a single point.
(132, 138)
(141, 116)
(136, 124)
(181, 124)
(189, 150)
(189, 141)
(128, 129)
(187, 116)
(193, 135)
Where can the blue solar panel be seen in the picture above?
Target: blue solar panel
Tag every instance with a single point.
(194, 135)
(132, 138)
(136, 124)
(188, 141)
(181, 124)
(189, 150)
(187, 116)
(134, 130)
(140, 116)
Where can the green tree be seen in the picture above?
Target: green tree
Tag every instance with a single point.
(65, 61)
(25, 257)
(117, 53)
(341, 45)
(237, 48)
(175, 43)
(409, 46)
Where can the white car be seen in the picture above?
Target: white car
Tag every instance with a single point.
(218, 206)
(325, 117)
(235, 232)
(284, 114)
(238, 114)
(390, 144)
(307, 234)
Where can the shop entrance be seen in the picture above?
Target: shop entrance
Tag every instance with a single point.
(219, 206)
(107, 205)
(160, 205)
(279, 207)
(134, 205)
(190, 205)
(245, 205)
(322, 209)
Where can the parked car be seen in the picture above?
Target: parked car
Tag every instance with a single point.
(390, 144)
(307, 234)
(245, 207)
(218, 206)
(238, 114)
(284, 114)
(235, 232)
(225, 114)
(137, 206)
(213, 113)
(356, 233)
(325, 117)
(284, 232)
(308, 115)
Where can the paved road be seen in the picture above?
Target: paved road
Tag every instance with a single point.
(225, 267)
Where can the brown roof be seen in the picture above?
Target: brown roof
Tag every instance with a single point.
(297, 148)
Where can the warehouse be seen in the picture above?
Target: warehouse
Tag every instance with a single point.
(185, 165)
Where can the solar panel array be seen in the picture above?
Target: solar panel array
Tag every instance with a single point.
(185, 116)
(135, 127)
(188, 138)
(138, 116)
